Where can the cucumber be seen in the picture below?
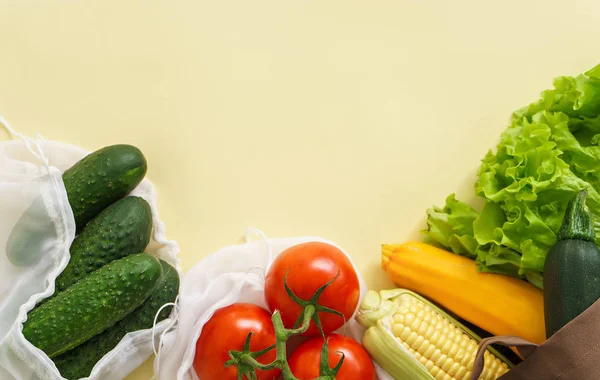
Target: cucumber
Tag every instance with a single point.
(92, 184)
(93, 304)
(101, 178)
(79, 362)
(121, 229)
(572, 268)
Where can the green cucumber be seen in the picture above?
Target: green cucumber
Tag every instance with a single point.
(102, 178)
(92, 184)
(121, 229)
(572, 268)
(93, 304)
(79, 362)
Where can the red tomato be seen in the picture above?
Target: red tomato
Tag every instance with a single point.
(227, 330)
(304, 361)
(310, 266)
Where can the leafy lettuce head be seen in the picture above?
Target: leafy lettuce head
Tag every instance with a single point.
(549, 152)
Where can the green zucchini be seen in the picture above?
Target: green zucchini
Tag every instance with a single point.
(93, 304)
(121, 229)
(79, 362)
(572, 268)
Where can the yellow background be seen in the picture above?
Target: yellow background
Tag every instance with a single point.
(343, 119)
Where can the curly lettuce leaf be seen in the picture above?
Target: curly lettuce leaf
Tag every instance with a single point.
(574, 96)
(498, 259)
(452, 227)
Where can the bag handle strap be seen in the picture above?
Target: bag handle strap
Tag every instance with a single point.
(35, 145)
(525, 349)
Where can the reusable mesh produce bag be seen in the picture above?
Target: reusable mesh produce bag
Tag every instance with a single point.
(31, 179)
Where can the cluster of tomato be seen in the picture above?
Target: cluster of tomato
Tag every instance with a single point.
(304, 268)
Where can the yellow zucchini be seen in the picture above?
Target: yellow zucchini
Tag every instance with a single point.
(499, 304)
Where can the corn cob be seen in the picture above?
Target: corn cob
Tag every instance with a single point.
(412, 339)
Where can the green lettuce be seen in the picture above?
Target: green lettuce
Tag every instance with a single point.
(452, 227)
(549, 152)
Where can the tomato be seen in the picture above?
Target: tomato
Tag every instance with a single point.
(310, 266)
(304, 361)
(227, 330)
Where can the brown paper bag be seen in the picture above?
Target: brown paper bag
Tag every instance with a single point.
(572, 353)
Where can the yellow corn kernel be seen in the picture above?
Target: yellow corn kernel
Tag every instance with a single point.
(453, 370)
(423, 347)
(405, 333)
(441, 360)
(447, 365)
(416, 324)
(461, 373)
(461, 356)
(429, 351)
(418, 342)
(398, 318)
(425, 326)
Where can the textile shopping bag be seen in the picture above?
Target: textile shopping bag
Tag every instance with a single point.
(572, 353)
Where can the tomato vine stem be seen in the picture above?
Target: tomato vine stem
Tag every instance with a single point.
(246, 361)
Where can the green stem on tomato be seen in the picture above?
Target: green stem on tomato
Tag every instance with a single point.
(325, 372)
(246, 361)
(282, 335)
(309, 311)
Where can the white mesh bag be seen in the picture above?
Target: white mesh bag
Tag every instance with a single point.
(31, 174)
(232, 274)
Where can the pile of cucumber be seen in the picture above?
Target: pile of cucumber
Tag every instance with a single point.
(110, 286)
